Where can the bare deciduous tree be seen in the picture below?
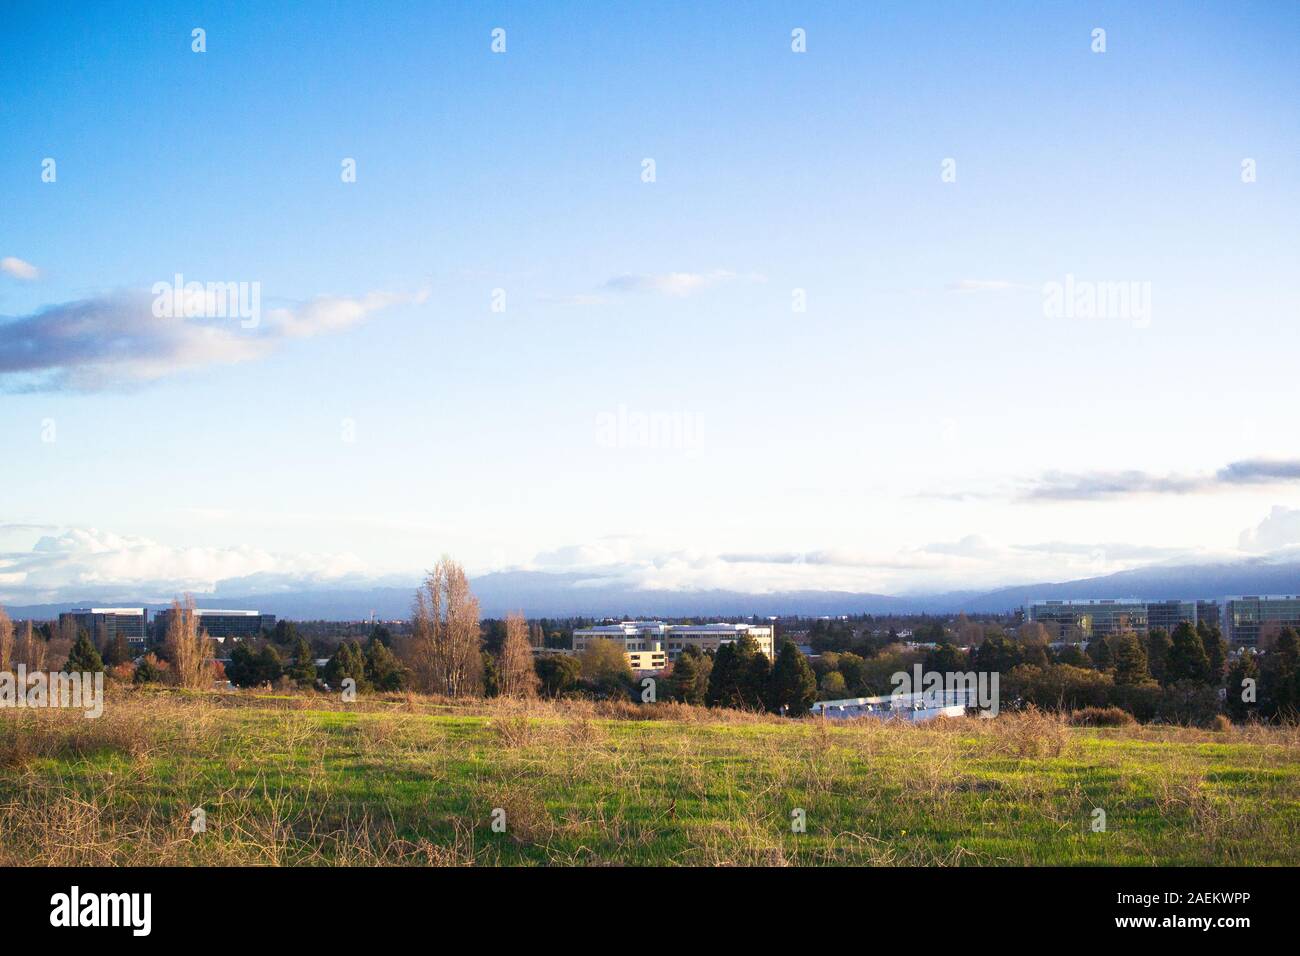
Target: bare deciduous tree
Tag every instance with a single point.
(32, 649)
(6, 642)
(518, 677)
(445, 648)
(188, 647)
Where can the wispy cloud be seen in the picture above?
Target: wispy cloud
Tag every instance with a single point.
(677, 285)
(1092, 486)
(670, 283)
(116, 340)
(983, 285)
(13, 266)
(579, 299)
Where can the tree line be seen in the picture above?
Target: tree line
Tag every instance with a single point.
(1188, 675)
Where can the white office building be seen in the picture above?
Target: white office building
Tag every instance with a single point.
(651, 645)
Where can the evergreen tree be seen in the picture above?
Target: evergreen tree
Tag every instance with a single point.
(1034, 652)
(1187, 659)
(690, 678)
(303, 668)
(270, 667)
(1280, 676)
(740, 675)
(724, 679)
(559, 673)
(285, 633)
(997, 653)
(683, 684)
(383, 670)
(242, 669)
(1070, 654)
(1243, 669)
(756, 674)
(946, 658)
(1130, 660)
(252, 667)
(148, 671)
(1100, 653)
(348, 662)
(793, 686)
(1158, 647)
(491, 674)
(83, 657)
(1216, 650)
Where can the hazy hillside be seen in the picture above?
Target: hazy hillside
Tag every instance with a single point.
(541, 594)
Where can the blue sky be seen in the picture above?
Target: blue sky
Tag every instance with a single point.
(922, 424)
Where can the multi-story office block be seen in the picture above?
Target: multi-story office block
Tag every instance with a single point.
(220, 624)
(103, 624)
(1089, 619)
(1245, 617)
(1167, 615)
(1208, 613)
(1102, 618)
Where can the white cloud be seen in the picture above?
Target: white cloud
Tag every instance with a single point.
(970, 563)
(86, 564)
(116, 340)
(13, 266)
(332, 313)
(42, 565)
(1279, 529)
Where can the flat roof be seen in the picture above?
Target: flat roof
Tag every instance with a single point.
(200, 611)
(1089, 602)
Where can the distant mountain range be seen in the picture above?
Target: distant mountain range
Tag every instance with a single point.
(545, 594)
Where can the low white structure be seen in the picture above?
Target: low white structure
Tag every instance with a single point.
(650, 645)
(914, 707)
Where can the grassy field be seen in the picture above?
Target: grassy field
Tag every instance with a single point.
(412, 780)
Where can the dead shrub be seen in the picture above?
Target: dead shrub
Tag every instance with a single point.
(1101, 717)
(1030, 733)
(513, 731)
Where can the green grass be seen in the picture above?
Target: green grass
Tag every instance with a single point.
(414, 780)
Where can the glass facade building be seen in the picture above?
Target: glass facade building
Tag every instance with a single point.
(1102, 618)
(1089, 619)
(1207, 613)
(220, 624)
(1247, 616)
(105, 623)
(1167, 615)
